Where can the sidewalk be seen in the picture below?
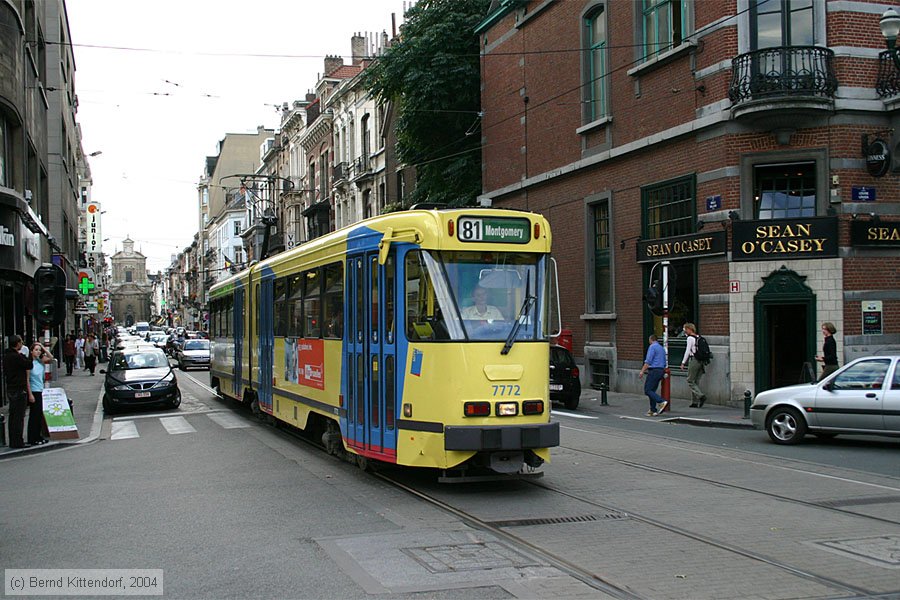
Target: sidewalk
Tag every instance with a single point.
(84, 391)
(678, 411)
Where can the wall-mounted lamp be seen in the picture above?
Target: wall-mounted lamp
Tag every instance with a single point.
(831, 211)
(628, 239)
(876, 219)
(701, 225)
(890, 28)
(734, 215)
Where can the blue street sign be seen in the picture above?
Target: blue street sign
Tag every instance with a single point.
(863, 194)
(713, 203)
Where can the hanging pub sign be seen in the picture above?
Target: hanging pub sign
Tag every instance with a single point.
(678, 247)
(878, 158)
(779, 239)
(876, 235)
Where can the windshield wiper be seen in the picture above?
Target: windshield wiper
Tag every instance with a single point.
(523, 315)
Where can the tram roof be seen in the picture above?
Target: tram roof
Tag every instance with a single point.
(429, 221)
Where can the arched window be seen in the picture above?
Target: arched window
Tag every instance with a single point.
(129, 275)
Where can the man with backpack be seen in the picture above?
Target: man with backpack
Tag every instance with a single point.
(696, 356)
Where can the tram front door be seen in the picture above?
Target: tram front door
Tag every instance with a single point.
(371, 356)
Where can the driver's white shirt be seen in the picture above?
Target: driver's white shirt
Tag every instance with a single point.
(491, 313)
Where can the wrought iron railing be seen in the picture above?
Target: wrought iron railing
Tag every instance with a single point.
(340, 171)
(888, 82)
(784, 71)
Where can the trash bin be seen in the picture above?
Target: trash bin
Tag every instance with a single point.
(564, 339)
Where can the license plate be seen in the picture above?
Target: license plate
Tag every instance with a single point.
(556, 387)
(142, 394)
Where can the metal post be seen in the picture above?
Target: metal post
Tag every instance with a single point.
(748, 395)
(666, 382)
(604, 387)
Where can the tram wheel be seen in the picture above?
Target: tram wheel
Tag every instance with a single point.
(363, 463)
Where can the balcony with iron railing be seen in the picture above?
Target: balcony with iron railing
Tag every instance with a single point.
(362, 167)
(339, 173)
(888, 83)
(791, 81)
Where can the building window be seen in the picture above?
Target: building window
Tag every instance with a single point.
(784, 191)
(669, 209)
(237, 228)
(602, 297)
(129, 275)
(5, 154)
(596, 65)
(664, 24)
(204, 196)
(778, 23)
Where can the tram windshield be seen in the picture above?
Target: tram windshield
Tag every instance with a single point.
(475, 295)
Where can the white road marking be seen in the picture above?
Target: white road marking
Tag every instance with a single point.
(228, 420)
(176, 425)
(573, 415)
(123, 430)
(165, 414)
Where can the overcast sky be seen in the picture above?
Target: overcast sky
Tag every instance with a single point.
(159, 84)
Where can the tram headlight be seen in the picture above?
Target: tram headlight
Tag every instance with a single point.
(477, 409)
(533, 407)
(507, 409)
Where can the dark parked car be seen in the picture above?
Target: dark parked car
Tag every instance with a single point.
(194, 353)
(139, 376)
(565, 386)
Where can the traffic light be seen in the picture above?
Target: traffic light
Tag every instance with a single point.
(654, 296)
(49, 295)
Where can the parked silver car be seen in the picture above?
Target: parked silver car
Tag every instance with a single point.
(863, 397)
(193, 354)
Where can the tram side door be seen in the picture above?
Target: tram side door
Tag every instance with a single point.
(266, 341)
(237, 324)
(356, 351)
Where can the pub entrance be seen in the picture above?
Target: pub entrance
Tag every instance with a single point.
(785, 330)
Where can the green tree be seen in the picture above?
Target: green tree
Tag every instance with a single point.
(432, 77)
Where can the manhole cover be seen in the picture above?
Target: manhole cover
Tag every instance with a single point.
(468, 557)
(882, 551)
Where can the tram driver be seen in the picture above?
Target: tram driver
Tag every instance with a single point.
(480, 310)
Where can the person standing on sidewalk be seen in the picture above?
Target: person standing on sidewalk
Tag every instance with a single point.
(79, 351)
(69, 353)
(36, 425)
(829, 351)
(91, 351)
(654, 368)
(16, 368)
(695, 368)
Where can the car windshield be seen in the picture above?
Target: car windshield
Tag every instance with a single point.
(561, 357)
(139, 360)
(196, 345)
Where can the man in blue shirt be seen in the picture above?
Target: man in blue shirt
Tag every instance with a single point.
(654, 368)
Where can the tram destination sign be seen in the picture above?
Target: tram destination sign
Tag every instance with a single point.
(695, 245)
(498, 230)
(778, 239)
(876, 235)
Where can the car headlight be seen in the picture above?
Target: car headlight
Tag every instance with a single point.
(165, 381)
(122, 388)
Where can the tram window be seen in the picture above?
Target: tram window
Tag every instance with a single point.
(334, 300)
(229, 316)
(373, 334)
(389, 399)
(360, 315)
(360, 389)
(295, 306)
(389, 278)
(280, 306)
(312, 304)
(424, 313)
(373, 392)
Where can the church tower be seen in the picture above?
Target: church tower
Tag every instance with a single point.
(130, 289)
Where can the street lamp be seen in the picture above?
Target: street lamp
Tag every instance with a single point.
(890, 28)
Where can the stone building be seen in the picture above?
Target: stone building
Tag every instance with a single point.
(130, 290)
(750, 144)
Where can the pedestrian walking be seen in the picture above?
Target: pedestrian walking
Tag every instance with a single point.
(91, 352)
(36, 424)
(654, 368)
(16, 368)
(69, 353)
(695, 367)
(829, 358)
(104, 345)
(79, 351)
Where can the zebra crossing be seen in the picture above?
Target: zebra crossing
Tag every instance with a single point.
(127, 428)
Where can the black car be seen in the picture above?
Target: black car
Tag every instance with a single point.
(565, 386)
(139, 376)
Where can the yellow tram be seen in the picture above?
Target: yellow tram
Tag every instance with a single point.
(418, 338)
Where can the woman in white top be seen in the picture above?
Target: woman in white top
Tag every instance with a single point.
(695, 368)
(79, 351)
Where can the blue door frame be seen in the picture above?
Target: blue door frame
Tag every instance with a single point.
(237, 321)
(266, 338)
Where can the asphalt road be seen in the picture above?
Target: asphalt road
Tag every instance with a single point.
(229, 507)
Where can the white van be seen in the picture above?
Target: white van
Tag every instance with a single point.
(141, 327)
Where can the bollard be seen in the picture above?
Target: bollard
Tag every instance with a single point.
(748, 395)
(2, 430)
(604, 387)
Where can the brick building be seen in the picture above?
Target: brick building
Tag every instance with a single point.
(750, 143)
